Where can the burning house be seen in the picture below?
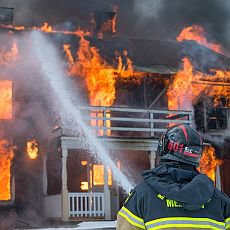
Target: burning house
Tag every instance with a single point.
(50, 165)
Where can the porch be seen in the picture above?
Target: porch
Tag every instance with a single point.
(117, 129)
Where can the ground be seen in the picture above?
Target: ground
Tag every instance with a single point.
(90, 225)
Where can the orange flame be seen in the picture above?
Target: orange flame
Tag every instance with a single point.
(197, 33)
(68, 54)
(6, 99)
(32, 149)
(46, 28)
(8, 56)
(209, 163)
(98, 175)
(100, 77)
(19, 27)
(188, 84)
(109, 25)
(6, 156)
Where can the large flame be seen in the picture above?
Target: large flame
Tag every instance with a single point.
(100, 77)
(188, 84)
(197, 33)
(6, 156)
(32, 149)
(5, 99)
(209, 163)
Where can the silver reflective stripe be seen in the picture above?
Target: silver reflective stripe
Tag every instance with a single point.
(134, 220)
(196, 223)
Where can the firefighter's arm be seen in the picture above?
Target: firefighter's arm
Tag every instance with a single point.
(123, 224)
(130, 215)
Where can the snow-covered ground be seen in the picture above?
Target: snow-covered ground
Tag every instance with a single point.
(88, 225)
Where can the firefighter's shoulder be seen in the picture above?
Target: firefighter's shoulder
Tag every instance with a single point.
(140, 192)
(221, 196)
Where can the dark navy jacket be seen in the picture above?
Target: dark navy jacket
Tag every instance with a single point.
(173, 197)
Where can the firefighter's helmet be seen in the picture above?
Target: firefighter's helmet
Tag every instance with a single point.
(181, 143)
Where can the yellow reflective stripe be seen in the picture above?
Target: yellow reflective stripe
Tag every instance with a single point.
(227, 223)
(184, 225)
(130, 221)
(131, 218)
(227, 220)
(184, 218)
(132, 215)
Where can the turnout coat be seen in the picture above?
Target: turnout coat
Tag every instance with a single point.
(174, 197)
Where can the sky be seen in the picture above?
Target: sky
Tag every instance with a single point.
(147, 19)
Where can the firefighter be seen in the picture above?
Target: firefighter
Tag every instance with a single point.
(174, 194)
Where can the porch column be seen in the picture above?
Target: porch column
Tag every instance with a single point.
(13, 189)
(107, 195)
(152, 158)
(228, 119)
(65, 200)
(218, 178)
(44, 175)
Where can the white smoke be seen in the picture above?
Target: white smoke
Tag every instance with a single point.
(147, 8)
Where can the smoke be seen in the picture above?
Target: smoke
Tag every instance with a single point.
(33, 117)
(169, 17)
(7, 218)
(148, 8)
(152, 19)
(31, 97)
(220, 143)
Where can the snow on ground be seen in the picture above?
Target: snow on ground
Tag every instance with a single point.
(89, 225)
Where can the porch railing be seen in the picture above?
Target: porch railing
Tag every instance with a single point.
(86, 205)
(110, 121)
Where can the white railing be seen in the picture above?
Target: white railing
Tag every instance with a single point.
(110, 121)
(86, 205)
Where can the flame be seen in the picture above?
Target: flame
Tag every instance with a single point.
(84, 163)
(107, 26)
(46, 28)
(69, 54)
(100, 77)
(6, 156)
(32, 149)
(19, 27)
(208, 162)
(9, 55)
(188, 84)
(98, 175)
(197, 33)
(6, 99)
(84, 186)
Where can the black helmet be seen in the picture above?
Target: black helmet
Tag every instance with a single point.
(181, 143)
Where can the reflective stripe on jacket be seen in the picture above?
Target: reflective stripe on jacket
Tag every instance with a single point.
(146, 208)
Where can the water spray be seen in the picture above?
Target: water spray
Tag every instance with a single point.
(71, 118)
